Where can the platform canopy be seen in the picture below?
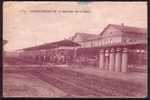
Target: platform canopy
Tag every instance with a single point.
(63, 43)
(95, 50)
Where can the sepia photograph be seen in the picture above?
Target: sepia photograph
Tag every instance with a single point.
(75, 49)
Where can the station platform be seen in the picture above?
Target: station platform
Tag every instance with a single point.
(134, 77)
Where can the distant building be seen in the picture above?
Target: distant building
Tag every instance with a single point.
(112, 34)
(82, 37)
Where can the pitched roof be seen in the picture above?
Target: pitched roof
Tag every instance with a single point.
(127, 29)
(85, 36)
(53, 45)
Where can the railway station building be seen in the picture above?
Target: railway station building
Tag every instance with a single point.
(117, 48)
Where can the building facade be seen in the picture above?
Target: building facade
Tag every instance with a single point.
(117, 47)
(112, 34)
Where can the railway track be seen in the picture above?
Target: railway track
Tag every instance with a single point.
(120, 86)
(80, 84)
(83, 84)
(67, 87)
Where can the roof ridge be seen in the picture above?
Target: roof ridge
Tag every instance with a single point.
(128, 26)
(85, 33)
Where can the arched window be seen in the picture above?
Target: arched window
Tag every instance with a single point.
(110, 41)
(142, 51)
(102, 42)
(138, 50)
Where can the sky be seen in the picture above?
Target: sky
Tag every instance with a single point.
(27, 24)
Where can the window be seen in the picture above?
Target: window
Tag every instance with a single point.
(132, 40)
(110, 41)
(85, 44)
(124, 40)
(102, 42)
(137, 50)
(99, 42)
(93, 43)
(88, 44)
(96, 43)
(142, 51)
